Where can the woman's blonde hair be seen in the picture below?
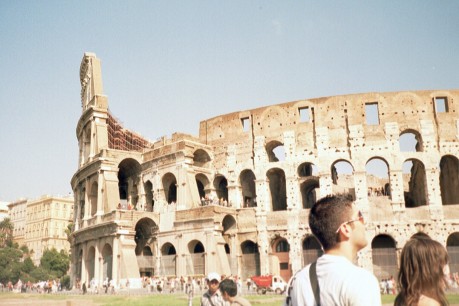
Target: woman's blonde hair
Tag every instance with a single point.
(422, 264)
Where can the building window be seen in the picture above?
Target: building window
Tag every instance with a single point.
(372, 113)
(304, 114)
(283, 265)
(245, 124)
(441, 104)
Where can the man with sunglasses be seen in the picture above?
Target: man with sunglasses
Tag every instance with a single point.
(213, 296)
(340, 228)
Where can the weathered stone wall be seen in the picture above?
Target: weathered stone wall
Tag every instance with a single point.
(236, 199)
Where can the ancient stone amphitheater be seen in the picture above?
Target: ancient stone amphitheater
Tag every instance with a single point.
(235, 199)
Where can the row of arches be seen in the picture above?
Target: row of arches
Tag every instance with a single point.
(86, 264)
(414, 177)
(415, 187)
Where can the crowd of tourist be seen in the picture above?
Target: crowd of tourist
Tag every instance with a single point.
(48, 286)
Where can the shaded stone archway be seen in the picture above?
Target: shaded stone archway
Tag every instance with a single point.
(250, 260)
(384, 257)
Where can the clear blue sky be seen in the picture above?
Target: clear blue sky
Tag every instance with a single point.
(167, 65)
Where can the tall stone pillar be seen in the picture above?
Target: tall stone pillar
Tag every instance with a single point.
(293, 193)
(434, 194)
(100, 192)
(361, 190)
(116, 260)
(235, 196)
(98, 266)
(263, 243)
(294, 240)
(263, 197)
(396, 190)
(325, 184)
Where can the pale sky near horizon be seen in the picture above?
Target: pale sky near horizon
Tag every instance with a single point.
(167, 65)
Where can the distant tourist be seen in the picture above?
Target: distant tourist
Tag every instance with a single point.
(213, 296)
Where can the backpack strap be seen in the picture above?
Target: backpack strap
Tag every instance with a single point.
(314, 283)
(288, 300)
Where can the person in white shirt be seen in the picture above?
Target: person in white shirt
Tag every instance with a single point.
(340, 228)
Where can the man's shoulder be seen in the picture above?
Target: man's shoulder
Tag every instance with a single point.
(206, 294)
(240, 301)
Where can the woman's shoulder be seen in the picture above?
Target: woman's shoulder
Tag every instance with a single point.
(427, 301)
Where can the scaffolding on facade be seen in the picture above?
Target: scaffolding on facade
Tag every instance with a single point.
(120, 138)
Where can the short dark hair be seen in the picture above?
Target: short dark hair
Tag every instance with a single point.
(327, 215)
(228, 286)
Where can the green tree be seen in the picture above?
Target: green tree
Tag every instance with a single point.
(55, 262)
(28, 265)
(10, 264)
(6, 232)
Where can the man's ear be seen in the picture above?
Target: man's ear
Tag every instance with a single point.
(344, 232)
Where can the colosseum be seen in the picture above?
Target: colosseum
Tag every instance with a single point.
(235, 199)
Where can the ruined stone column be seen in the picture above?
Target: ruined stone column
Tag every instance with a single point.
(263, 243)
(263, 197)
(100, 192)
(235, 196)
(361, 190)
(325, 182)
(116, 260)
(396, 190)
(434, 194)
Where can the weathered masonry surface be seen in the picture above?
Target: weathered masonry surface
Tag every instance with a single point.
(235, 199)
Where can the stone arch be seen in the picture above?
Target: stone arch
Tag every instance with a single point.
(377, 176)
(249, 194)
(277, 188)
(229, 224)
(107, 256)
(281, 249)
(414, 183)
(196, 264)
(311, 249)
(452, 246)
(410, 141)
(275, 151)
(149, 198)
(147, 251)
(128, 175)
(93, 198)
(309, 190)
(90, 263)
(221, 187)
(145, 233)
(201, 158)
(384, 256)
(250, 259)
(168, 249)
(170, 187)
(342, 173)
(449, 180)
(307, 169)
(168, 259)
(203, 184)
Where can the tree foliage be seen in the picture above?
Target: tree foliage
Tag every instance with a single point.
(55, 262)
(10, 264)
(16, 264)
(6, 232)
